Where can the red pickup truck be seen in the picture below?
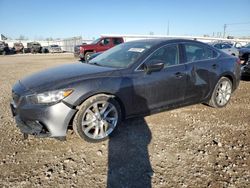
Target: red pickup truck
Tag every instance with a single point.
(99, 45)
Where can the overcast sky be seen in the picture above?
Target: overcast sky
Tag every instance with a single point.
(67, 18)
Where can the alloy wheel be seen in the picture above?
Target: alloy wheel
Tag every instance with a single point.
(223, 93)
(99, 120)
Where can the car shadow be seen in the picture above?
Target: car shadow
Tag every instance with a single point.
(245, 78)
(128, 156)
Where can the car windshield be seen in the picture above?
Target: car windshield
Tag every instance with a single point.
(247, 46)
(95, 41)
(123, 55)
(54, 46)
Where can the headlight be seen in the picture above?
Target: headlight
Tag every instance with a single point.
(49, 97)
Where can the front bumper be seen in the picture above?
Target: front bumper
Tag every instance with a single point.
(43, 120)
(81, 55)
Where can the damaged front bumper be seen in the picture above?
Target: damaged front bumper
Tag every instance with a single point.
(43, 120)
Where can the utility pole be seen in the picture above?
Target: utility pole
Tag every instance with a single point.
(224, 31)
(232, 24)
(168, 28)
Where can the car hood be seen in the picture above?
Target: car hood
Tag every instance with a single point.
(88, 46)
(55, 77)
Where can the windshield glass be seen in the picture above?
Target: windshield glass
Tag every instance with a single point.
(247, 46)
(95, 41)
(54, 46)
(123, 55)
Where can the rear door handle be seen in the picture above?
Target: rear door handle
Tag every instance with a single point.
(179, 74)
(214, 66)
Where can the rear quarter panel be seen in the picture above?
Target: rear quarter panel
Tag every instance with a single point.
(231, 69)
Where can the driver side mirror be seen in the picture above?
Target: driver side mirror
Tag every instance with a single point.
(153, 66)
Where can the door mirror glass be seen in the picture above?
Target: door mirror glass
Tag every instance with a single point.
(153, 65)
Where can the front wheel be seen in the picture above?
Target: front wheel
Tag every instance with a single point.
(97, 118)
(222, 93)
(87, 55)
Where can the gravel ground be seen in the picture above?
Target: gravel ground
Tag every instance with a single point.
(195, 146)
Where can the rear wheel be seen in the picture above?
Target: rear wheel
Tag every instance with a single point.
(222, 93)
(97, 118)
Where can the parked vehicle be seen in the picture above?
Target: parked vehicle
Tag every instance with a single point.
(99, 45)
(33, 47)
(227, 48)
(245, 69)
(4, 48)
(18, 47)
(52, 49)
(244, 53)
(132, 79)
(77, 50)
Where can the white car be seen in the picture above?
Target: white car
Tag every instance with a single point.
(227, 48)
(52, 49)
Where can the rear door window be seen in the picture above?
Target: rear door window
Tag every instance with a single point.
(195, 52)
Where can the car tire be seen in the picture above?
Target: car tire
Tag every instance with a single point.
(97, 118)
(87, 55)
(222, 93)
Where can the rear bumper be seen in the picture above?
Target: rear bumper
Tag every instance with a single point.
(43, 121)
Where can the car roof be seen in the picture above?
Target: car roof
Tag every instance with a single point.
(162, 41)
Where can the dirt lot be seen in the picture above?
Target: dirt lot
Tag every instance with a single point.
(195, 146)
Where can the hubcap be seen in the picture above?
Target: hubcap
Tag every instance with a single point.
(99, 120)
(223, 93)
